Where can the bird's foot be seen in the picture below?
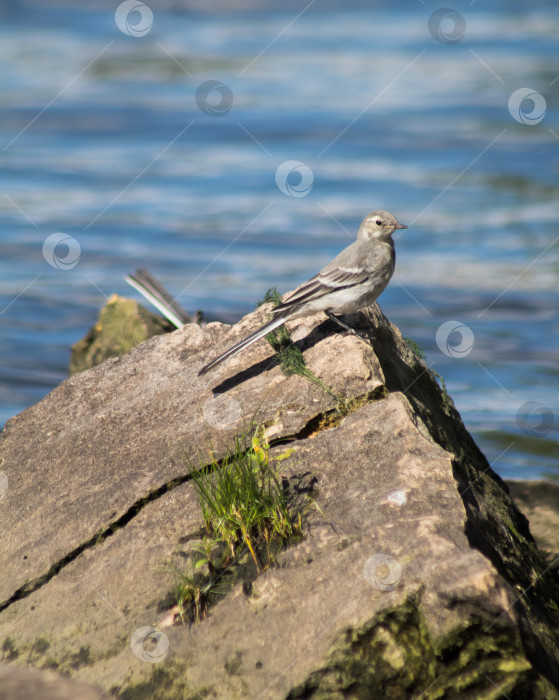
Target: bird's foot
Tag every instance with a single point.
(364, 335)
(354, 331)
(361, 334)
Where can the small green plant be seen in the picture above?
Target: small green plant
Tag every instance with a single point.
(248, 515)
(195, 589)
(272, 296)
(443, 386)
(414, 347)
(244, 504)
(290, 358)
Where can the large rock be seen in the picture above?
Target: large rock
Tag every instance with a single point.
(19, 684)
(417, 575)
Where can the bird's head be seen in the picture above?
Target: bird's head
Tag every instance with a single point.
(379, 225)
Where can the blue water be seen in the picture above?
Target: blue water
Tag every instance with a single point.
(102, 140)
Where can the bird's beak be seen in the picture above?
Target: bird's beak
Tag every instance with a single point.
(400, 226)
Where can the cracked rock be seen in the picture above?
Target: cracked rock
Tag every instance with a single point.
(416, 577)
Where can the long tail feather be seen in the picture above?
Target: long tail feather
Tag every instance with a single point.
(154, 292)
(266, 328)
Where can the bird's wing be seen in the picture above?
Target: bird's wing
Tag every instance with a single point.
(343, 272)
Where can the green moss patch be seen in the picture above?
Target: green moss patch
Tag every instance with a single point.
(394, 657)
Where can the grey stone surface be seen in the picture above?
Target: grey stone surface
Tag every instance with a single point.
(417, 575)
(107, 437)
(21, 684)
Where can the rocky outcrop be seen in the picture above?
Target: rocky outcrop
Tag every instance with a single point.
(122, 324)
(416, 576)
(539, 501)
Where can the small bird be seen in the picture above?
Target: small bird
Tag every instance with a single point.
(352, 281)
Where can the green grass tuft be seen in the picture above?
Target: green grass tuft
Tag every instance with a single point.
(271, 296)
(414, 347)
(248, 513)
(289, 357)
(243, 503)
(197, 589)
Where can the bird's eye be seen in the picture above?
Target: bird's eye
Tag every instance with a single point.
(378, 222)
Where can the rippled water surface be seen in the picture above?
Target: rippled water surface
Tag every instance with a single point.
(103, 140)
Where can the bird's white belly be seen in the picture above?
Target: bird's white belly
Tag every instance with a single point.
(346, 301)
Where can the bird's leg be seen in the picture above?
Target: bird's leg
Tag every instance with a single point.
(344, 325)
